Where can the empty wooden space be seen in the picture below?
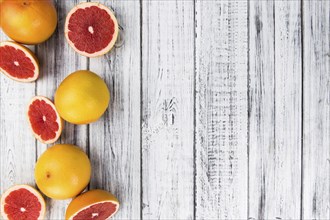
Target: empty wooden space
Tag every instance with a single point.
(219, 110)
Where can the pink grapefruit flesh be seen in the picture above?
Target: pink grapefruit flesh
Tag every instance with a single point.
(18, 62)
(95, 204)
(22, 202)
(45, 121)
(97, 211)
(91, 29)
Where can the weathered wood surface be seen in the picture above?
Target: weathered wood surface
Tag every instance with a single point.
(316, 110)
(275, 95)
(167, 109)
(219, 110)
(261, 104)
(286, 160)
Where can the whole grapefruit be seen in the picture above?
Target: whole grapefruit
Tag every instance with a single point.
(62, 171)
(82, 97)
(28, 21)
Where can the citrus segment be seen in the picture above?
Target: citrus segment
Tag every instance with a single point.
(18, 62)
(91, 29)
(94, 204)
(22, 202)
(45, 122)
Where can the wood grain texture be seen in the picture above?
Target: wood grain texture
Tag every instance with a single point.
(286, 161)
(221, 110)
(57, 61)
(261, 106)
(316, 127)
(115, 138)
(167, 109)
(275, 115)
(17, 144)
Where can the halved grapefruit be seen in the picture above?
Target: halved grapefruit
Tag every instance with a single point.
(45, 122)
(94, 204)
(91, 29)
(18, 62)
(22, 202)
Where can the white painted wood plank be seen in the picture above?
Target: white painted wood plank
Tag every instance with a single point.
(221, 110)
(316, 150)
(17, 144)
(167, 109)
(261, 106)
(57, 61)
(275, 122)
(115, 138)
(285, 192)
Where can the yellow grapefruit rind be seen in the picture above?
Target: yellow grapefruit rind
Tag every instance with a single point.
(63, 88)
(69, 169)
(114, 37)
(30, 189)
(59, 120)
(15, 15)
(87, 199)
(29, 54)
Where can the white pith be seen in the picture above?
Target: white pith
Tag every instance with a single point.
(91, 29)
(58, 120)
(30, 189)
(87, 5)
(33, 60)
(80, 210)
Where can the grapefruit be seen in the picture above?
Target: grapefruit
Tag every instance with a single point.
(91, 29)
(18, 62)
(28, 21)
(62, 171)
(82, 97)
(45, 122)
(22, 202)
(94, 204)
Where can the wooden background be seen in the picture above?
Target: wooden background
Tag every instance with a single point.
(219, 110)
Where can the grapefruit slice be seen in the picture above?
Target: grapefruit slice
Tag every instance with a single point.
(45, 122)
(18, 62)
(91, 29)
(94, 204)
(22, 202)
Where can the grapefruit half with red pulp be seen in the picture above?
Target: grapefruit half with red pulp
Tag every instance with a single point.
(18, 62)
(22, 202)
(91, 29)
(45, 122)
